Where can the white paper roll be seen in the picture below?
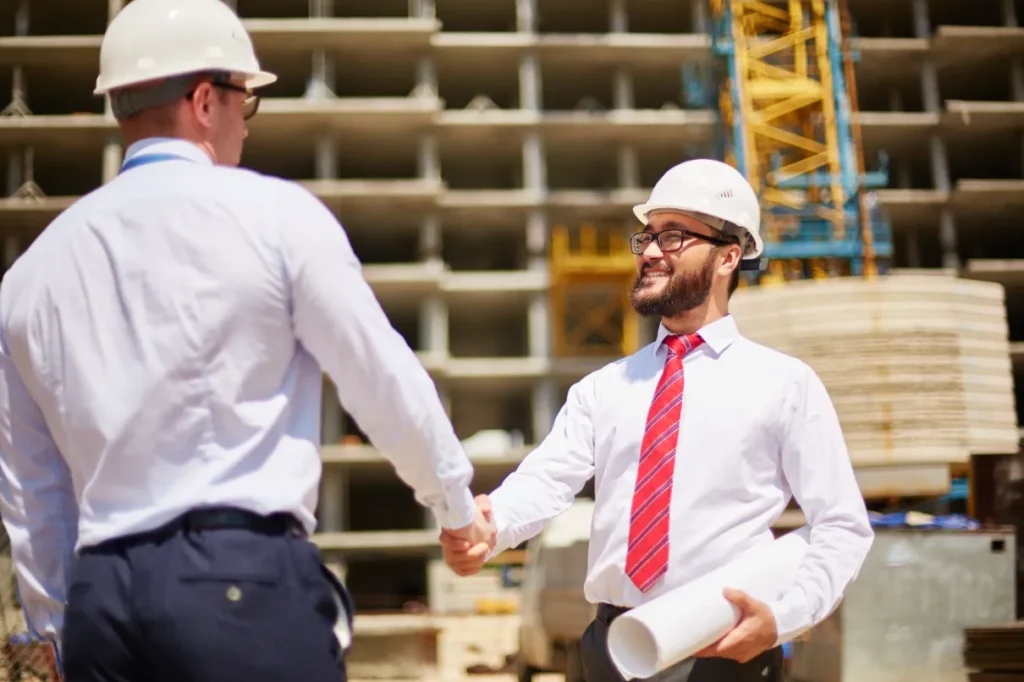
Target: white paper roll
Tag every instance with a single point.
(652, 637)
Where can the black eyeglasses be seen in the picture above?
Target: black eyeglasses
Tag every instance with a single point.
(672, 240)
(250, 105)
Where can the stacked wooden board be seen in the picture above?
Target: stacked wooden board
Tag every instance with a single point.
(995, 654)
(918, 366)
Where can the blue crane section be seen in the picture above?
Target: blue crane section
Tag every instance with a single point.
(787, 106)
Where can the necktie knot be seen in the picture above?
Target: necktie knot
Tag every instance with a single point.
(681, 344)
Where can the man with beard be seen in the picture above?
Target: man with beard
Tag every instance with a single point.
(688, 479)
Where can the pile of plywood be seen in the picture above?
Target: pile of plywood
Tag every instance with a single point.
(482, 593)
(918, 367)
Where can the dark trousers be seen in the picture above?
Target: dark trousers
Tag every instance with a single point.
(219, 595)
(598, 666)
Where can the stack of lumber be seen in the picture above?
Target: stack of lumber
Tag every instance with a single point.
(995, 654)
(918, 366)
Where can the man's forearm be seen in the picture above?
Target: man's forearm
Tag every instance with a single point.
(832, 562)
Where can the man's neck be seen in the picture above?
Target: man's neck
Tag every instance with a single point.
(140, 135)
(694, 320)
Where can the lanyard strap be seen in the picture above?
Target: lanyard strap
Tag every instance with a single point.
(146, 159)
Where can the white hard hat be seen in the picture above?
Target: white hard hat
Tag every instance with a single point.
(712, 192)
(150, 40)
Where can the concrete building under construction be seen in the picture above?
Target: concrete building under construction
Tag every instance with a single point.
(461, 141)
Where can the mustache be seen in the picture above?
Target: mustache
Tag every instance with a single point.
(656, 267)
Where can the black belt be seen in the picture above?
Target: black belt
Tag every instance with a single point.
(211, 518)
(608, 612)
(216, 518)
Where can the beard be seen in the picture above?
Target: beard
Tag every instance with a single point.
(680, 293)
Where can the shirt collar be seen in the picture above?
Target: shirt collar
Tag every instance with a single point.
(717, 335)
(168, 145)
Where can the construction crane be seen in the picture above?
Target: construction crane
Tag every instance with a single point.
(782, 80)
(787, 104)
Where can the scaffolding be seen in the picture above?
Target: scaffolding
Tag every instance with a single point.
(592, 273)
(787, 104)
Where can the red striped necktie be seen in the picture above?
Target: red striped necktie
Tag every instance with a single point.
(647, 556)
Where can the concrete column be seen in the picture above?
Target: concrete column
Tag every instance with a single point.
(12, 249)
(322, 79)
(530, 91)
(922, 22)
(913, 250)
(622, 91)
(19, 88)
(428, 158)
(332, 506)
(332, 514)
(903, 178)
(113, 151)
(427, 9)
(895, 99)
(545, 407)
(15, 178)
(700, 16)
(942, 182)
(618, 19)
(940, 164)
(526, 16)
(948, 240)
(930, 88)
(1009, 12)
(543, 401)
(15, 171)
(113, 7)
(1017, 79)
(434, 325)
(534, 167)
(426, 77)
(113, 156)
(433, 310)
(537, 243)
(629, 167)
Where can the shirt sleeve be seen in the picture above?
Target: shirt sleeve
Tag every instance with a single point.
(549, 478)
(37, 504)
(818, 470)
(379, 379)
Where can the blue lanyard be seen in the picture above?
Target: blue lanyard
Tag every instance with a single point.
(146, 159)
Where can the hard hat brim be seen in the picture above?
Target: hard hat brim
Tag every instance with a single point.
(259, 79)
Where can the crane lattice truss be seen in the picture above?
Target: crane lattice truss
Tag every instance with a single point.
(788, 108)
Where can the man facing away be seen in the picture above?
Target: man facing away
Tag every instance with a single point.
(161, 347)
(697, 442)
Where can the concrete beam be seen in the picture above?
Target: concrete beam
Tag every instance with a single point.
(875, 481)
(1008, 272)
(964, 116)
(270, 36)
(369, 543)
(597, 49)
(975, 45)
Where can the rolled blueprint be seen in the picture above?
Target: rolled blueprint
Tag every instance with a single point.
(671, 628)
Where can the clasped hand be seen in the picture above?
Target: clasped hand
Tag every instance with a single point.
(466, 549)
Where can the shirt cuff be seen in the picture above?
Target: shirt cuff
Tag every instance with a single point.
(458, 511)
(791, 613)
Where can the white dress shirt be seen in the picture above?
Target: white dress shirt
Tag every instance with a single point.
(757, 427)
(161, 346)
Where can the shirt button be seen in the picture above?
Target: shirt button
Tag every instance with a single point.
(234, 594)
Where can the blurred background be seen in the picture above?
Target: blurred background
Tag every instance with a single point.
(484, 156)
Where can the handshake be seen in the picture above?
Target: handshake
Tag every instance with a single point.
(466, 549)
